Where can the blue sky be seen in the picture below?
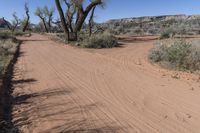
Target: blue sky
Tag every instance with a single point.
(113, 9)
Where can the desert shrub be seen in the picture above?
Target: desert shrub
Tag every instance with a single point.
(167, 33)
(3, 63)
(157, 54)
(82, 35)
(5, 35)
(19, 33)
(7, 49)
(112, 31)
(100, 41)
(58, 37)
(193, 59)
(8, 46)
(8, 34)
(177, 54)
(61, 35)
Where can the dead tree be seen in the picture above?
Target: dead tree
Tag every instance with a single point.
(15, 22)
(63, 20)
(40, 13)
(27, 17)
(49, 14)
(91, 21)
(58, 25)
(71, 10)
(99, 29)
(7, 24)
(71, 29)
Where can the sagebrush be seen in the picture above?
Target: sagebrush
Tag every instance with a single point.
(104, 40)
(8, 45)
(167, 33)
(177, 54)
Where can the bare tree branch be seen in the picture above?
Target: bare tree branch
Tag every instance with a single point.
(27, 17)
(91, 21)
(15, 22)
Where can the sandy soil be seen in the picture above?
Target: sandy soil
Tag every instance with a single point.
(61, 89)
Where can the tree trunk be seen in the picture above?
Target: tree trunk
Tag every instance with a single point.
(26, 24)
(69, 21)
(73, 36)
(14, 27)
(49, 24)
(91, 21)
(80, 19)
(63, 21)
(45, 26)
(28, 17)
(82, 15)
(69, 15)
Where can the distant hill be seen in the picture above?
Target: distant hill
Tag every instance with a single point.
(151, 25)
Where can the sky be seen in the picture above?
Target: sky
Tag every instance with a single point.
(114, 9)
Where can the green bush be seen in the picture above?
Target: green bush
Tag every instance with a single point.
(9, 34)
(82, 35)
(100, 41)
(157, 54)
(19, 33)
(177, 54)
(167, 33)
(5, 35)
(7, 49)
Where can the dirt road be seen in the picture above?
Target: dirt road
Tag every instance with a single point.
(61, 89)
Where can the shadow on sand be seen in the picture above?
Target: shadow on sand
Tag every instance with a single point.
(21, 110)
(6, 124)
(68, 111)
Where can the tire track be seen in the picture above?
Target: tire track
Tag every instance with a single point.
(111, 90)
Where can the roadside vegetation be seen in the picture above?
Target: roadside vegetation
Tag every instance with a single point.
(8, 46)
(104, 40)
(153, 25)
(8, 34)
(97, 41)
(75, 30)
(177, 54)
(167, 33)
(76, 26)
